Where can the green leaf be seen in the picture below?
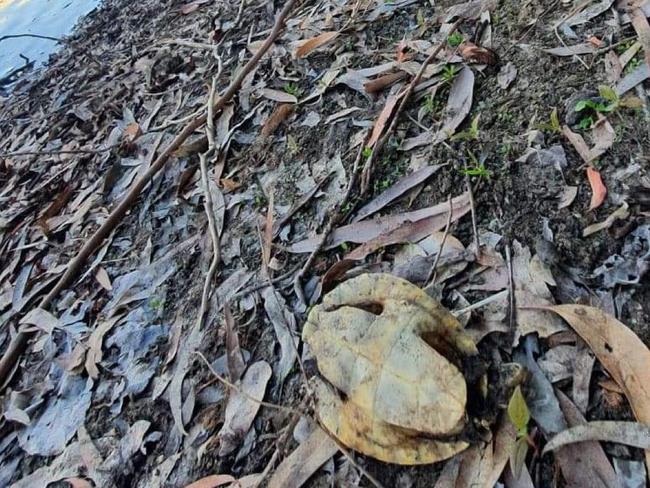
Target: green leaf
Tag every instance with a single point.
(555, 121)
(583, 104)
(608, 93)
(586, 123)
(518, 412)
(518, 456)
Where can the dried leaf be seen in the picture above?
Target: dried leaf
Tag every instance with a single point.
(583, 464)
(307, 46)
(409, 231)
(304, 461)
(94, 353)
(284, 325)
(397, 190)
(598, 189)
(379, 84)
(278, 96)
(568, 195)
(475, 54)
(642, 28)
(383, 118)
(589, 13)
(190, 7)
(619, 214)
(212, 481)
(584, 48)
(632, 434)
(620, 351)
(241, 409)
(103, 279)
(431, 218)
(281, 113)
(639, 75)
(41, 319)
(131, 132)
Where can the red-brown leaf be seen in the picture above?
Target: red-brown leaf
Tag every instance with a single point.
(598, 189)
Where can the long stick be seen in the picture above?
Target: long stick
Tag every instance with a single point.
(19, 342)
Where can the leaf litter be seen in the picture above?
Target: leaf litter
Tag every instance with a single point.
(112, 345)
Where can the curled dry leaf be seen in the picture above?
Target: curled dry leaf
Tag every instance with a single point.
(304, 461)
(278, 96)
(632, 434)
(620, 351)
(476, 54)
(388, 329)
(620, 213)
(598, 189)
(307, 46)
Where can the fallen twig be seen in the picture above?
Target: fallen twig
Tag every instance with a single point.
(511, 291)
(367, 168)
(431, 278)
(473, 213)
(209, 206)
(19, 341)
(37, 36)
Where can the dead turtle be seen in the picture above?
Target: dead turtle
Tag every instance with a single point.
(390, 354)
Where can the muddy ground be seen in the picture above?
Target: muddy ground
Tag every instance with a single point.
(94, 119)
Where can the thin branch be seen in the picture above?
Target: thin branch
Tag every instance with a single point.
(473, 212)
(431, 278)
(512, 316)
(19, 342)
(376, 150)
(37, 36)
(208, 205)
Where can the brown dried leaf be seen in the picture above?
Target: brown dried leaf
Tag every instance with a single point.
(281, 113)
(383, 118)
(212, 481)
(620, 351)
(94, 354)
(632, 434)
(476, 54)
(304, 461)
(598, 189)
(307, 46)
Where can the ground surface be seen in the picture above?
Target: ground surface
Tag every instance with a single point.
(114, 360)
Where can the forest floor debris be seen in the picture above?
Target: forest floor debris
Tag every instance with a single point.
(494, 154)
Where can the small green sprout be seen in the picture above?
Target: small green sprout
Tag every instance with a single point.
(293, 89)
(449, 72)
(553, 125)
(519, 416)
(455, 39)
(367, 152)
(478, 169)
(470, 134)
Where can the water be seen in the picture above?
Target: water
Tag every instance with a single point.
(54, 18)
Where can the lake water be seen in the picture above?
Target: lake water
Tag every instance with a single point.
(54, 18)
